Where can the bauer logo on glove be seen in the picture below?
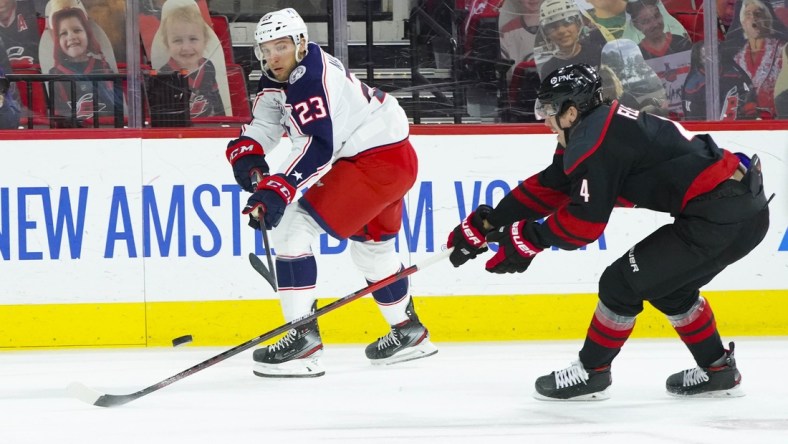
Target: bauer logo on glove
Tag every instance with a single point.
(520, 243)
(468, 237)
(515, 252)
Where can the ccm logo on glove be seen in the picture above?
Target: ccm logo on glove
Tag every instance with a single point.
(248, 161)
(248, 149)
(278, 185)
(241, 147)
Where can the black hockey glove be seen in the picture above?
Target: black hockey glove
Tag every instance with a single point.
(467, 238)
(248, 161)
(273, 194)
(515, 252)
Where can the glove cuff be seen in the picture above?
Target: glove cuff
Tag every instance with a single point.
(278, 184)
(242, 147)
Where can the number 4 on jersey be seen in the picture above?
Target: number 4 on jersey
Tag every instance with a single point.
(584, 190)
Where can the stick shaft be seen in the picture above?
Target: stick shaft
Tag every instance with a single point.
(109, 400)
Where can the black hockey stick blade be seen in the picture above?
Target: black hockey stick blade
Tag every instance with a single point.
(260, 267)
(100, 399)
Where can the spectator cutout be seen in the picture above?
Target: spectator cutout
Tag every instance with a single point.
(638, 79)
(19, 32)
(609, 16)
(756, 40)
(781, 88)
(150, 19)
(9, 108)
(518, 24)
(737, 95)
(76, 50)
(184, 41)
(565, 39)
(666, 53)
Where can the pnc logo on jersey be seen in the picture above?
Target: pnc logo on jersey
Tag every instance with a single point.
(519, 242)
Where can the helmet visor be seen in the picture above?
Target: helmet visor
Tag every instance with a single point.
(543, 110)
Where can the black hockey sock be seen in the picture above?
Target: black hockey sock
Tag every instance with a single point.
(698, 329)
(606, 335)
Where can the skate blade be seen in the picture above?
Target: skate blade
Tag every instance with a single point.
(735, 392)
(424, 349)
(598, 396)
(298, 368)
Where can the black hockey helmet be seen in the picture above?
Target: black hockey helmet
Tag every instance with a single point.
(577, 85)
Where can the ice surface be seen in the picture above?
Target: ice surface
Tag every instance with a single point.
(467, 393)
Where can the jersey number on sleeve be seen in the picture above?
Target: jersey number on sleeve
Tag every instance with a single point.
(584, 190)
(311, 109)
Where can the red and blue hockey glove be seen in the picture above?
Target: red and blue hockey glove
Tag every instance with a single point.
(248, 161)
(273, 194)
(515, 252)
(467, 238)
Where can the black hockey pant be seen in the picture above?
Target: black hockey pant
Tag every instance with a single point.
(668, 268)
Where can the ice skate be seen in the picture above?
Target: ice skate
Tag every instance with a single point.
(406, 341)
(574, 383)
(295, 355)
(715, 381)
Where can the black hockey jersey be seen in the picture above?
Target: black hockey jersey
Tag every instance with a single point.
(21, 35)
(614, 156)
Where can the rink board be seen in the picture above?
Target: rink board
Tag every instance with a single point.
(131, 241)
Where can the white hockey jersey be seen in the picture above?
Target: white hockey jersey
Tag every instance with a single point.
(327, 112)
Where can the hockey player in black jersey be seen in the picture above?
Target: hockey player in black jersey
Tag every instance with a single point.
(610, 155)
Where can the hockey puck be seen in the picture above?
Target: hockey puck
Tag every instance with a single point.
(181, 340)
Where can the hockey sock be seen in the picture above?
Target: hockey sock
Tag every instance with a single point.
(296, 278)
(698, 329)
(393, 300)
(606, 335)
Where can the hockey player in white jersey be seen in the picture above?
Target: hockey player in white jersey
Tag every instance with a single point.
(333, 120)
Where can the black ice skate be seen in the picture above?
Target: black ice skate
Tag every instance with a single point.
(574, 383)
(295, 355)
(406, 341)
(716, 381)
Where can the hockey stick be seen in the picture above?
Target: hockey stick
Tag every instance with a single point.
(257, 264)
(97, 398)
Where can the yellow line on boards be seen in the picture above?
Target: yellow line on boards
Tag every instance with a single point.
(449, 319)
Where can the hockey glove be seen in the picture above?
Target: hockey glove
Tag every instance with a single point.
(515, 252)
(273, 194)
(468, 237)
(248, 161)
